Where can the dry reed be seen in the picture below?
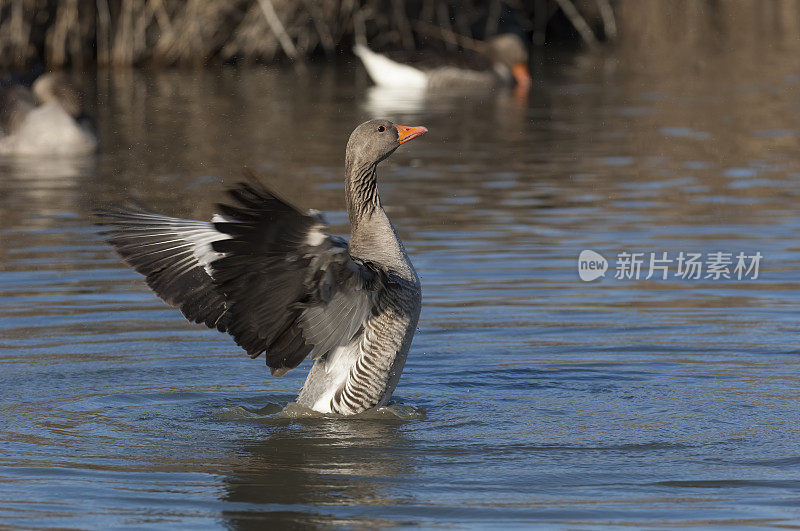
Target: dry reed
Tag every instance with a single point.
(189, 32)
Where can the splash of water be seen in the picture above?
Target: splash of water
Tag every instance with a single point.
(294, 411)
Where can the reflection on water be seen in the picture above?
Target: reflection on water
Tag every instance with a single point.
(546, 400)
(290, 476)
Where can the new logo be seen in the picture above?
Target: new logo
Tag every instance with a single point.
(591, 265)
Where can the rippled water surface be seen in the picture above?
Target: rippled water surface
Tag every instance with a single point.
(529, 396)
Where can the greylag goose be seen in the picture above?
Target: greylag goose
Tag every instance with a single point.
(504, 62)
(46, 119)
(270, 276)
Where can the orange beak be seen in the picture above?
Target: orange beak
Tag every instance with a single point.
(407, 132)
(521, 75)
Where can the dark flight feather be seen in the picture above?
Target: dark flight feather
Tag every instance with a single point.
(174, 255)
(288, 289)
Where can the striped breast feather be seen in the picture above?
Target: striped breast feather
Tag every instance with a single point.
(175, 255)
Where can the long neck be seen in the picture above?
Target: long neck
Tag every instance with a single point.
(361, 191)
(372, 236)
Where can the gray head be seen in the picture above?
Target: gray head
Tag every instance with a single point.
(370, 143)
(54, 87)
(373, 141)
(508, 50)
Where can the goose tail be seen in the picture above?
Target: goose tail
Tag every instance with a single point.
(386, 72)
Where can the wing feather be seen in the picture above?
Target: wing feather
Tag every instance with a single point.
(264, 272)
(292, 290)
(174, 254)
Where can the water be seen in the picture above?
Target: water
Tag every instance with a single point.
(529, 396)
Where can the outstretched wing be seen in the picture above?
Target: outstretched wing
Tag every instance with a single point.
(266, 273)
(175, 256)
(291, 289)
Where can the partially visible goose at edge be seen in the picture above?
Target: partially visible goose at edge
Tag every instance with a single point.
(47, 118)
(504, 63)
(270, 276)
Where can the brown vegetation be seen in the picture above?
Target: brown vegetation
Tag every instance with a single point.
(679, 28)
(189, 32)
(180, 32)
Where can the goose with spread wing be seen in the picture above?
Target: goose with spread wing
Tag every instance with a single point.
(270, 276)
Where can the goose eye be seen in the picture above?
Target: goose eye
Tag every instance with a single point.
(381, 129)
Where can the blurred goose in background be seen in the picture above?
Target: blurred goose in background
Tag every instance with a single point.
(270, 276)
(504, 62)
(45, 119)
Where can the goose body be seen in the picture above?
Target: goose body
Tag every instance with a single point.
(270, 276)
(46, 119)
(503, 63)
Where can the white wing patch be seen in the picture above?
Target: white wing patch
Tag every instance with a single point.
(201, 241)
(154, 231)
(315, 236)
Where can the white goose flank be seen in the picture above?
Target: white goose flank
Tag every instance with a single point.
(271, 277)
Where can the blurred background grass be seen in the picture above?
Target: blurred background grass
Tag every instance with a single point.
(80, 33)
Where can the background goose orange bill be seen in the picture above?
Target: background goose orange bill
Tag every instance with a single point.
(521, 74)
